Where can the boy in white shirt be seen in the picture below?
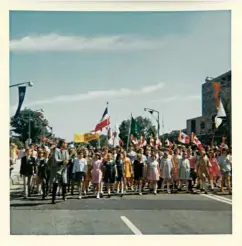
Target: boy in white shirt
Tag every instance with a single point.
(80, 170)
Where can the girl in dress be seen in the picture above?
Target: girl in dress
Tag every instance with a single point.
(202, 170)
(139, 171)
(175, 162)
(153, 173)
(184, 170)
(120, 173)
(166, 171)
(88, 174)
(96, 172)
(213, 170)
(110, 172)
(127, 170)
(40, 161)
(44, 173)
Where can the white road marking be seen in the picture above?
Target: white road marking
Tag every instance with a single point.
(221, 197)
(218, 199)
(131, 226)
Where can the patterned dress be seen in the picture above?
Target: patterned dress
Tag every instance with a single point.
(214, 170)
(184, 169)
(166, 168)
(153, 169)
(176, 162)
(97, 171)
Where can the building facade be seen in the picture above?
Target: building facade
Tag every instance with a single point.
(208, 99)
(200, 125)
(203, 126)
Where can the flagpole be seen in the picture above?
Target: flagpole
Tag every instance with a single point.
(108, 128)
(127, 147)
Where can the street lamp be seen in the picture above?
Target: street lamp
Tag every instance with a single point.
(151, 111)
(29, 84)
(38, 110)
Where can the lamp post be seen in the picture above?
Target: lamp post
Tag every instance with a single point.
(38, 110)
(151, 111)
(29, 84)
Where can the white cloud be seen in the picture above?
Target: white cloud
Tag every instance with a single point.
(176, 98)
(93, 95)
(56, 42)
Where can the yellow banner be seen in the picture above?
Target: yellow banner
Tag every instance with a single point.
(78, 138)
(89, 137)
(85, 138)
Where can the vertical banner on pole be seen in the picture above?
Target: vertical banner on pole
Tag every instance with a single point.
(21, 93)
(216, 87)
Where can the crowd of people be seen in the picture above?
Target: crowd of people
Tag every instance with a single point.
(67, 169)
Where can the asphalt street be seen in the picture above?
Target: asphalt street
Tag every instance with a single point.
(128, 215)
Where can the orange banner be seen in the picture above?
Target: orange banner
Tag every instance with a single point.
(216, 87)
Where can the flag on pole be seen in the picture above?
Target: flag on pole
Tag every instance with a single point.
(217, 121)
(134, 128)
(183, 138)
(21, 93)
(104, 122)
(168, 143)
(152, 141)
(223, 145)
(134, 140)
(196, 141)
(216, 87)
(157, 142)
(142, 141)
(221, 112)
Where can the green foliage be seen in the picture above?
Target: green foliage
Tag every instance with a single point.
(16, 141)
(20, 125)
(146, 129)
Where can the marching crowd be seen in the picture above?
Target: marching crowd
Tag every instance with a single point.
(63, 169)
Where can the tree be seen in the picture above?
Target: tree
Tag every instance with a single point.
(146, 129)
(16, 141)
(38, 125)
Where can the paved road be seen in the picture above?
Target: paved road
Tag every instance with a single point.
(131, 214)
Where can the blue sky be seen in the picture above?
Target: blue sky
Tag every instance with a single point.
(80, 60)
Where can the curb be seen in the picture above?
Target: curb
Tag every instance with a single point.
(16, 180)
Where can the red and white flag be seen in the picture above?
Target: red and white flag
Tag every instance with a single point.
(183, 138)
(168, 143)
(152, 142)
(104, 122)
(223, 145)
(196, 141)
(157, 142)
(134, 140)
(142, 142)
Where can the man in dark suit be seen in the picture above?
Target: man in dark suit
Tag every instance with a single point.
(27, 170)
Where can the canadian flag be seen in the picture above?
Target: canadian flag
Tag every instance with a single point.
(157, 142)
(134, 140)
(183, 138)
(196, 141)
(142, 142)
(223, 144)
(168, 143)
(152, 142)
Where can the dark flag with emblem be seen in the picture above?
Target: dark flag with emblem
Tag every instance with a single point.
(21, 92)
